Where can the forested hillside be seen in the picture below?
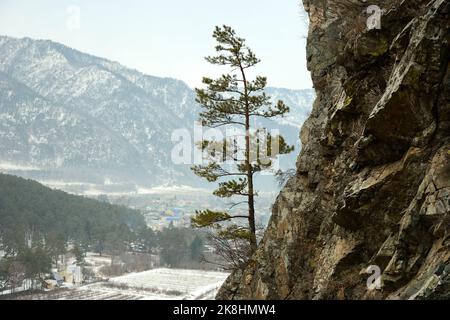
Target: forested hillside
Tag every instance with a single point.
(31, 214)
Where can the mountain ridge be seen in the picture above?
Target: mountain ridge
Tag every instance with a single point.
(136, 111)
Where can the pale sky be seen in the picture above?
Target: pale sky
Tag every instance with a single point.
(169, 38)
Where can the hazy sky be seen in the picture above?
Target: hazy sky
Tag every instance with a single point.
(169, 38)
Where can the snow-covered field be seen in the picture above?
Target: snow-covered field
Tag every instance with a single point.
(156, 284)
(173, 283)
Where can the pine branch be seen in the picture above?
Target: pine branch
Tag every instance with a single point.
(211, 219)
(231, 188)
(212, 172)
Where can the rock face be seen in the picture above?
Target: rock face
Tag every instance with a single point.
(373, 179)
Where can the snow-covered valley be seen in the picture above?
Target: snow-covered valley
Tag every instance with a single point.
(156, 284)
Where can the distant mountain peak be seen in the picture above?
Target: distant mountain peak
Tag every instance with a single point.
(78, 117)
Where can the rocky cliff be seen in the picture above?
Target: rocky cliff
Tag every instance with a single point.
(372, 186)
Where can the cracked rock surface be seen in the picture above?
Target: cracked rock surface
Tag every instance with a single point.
(373, 179)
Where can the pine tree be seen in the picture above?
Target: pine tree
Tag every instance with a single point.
(79, 254)
(234, 101)
(196, 249)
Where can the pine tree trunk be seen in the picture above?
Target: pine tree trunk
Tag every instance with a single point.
(251, 197)
(251, 212)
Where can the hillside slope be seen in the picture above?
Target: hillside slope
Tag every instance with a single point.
(30, 211)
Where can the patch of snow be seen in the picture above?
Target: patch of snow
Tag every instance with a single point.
(8, 166)
(177, 189)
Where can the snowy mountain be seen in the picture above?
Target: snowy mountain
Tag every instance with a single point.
(72, 118)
